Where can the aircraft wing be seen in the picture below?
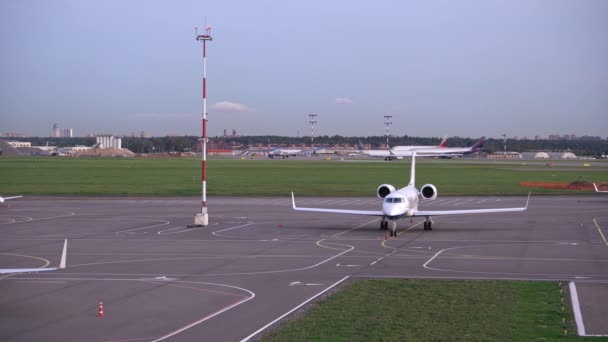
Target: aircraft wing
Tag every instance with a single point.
(43, 269)
(469, 211)
(25, 270)
(13, 197)
(337, 211)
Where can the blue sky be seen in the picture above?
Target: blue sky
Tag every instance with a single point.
(466, 68)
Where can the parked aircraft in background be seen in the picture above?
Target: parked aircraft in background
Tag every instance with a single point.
(400, 152)
(2, 199)
(598, 190)
(43, 269)
(440, 151)
(283, 153)
(442, 144)
(403, 203)
(390, 154)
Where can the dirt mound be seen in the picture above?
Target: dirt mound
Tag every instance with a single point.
(7, 149)
(576, 185)
(105, 152)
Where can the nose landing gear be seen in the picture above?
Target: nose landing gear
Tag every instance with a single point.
(393, 229)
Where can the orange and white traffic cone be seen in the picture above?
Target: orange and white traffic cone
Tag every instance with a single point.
(100, 312)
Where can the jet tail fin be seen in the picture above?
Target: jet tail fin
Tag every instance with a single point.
(413, 171)
(444, 142)
(479, 144)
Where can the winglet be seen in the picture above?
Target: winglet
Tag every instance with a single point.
(63, 255)
(528, 201)
(596, 189)
(293, 201)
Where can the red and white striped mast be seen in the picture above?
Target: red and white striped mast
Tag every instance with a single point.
(202, 218)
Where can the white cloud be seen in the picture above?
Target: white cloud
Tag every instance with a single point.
(227, 106)
(344, 100)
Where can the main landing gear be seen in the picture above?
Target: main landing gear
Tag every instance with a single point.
(428, 224)
(384, 224)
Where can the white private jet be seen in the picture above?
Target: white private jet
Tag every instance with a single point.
(2, 199)
(42, 269)
(598, 190)
(404, 202)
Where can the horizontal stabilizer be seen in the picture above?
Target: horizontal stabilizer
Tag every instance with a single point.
(44, 269)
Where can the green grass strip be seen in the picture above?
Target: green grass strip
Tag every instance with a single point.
(436, 310)
(182, 177)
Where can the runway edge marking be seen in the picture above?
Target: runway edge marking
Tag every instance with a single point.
(292, 310)
(599, 230)
(576, 308)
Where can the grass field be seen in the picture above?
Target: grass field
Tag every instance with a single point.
(435, 310)
(181, 177)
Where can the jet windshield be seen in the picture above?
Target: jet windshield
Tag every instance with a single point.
(394, 200)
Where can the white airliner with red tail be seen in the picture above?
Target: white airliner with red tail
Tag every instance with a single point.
(403, 203)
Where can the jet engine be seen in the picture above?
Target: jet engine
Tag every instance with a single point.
(384, 190)
(428, 192)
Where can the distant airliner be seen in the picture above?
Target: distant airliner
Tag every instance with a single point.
(43, 269)
(442, 144)
(439, 151)
(404, 202)
(598, 190)
(389, 154)
(2, 199)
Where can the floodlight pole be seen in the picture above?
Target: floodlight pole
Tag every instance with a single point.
(387, 122)
(202, 219)
(312, 122)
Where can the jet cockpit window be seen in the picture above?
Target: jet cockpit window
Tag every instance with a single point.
(394, 200)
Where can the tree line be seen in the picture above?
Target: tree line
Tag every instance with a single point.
(189, 143)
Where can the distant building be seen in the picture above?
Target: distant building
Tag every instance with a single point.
(108, 141)
(72, 149)
(535, 155)
(68, 133)
(20, 143)
(55, 132)
(505, 155)
(548, 155)
(562, 155)
(13, 135)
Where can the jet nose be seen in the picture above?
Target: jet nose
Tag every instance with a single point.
(391, 210)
